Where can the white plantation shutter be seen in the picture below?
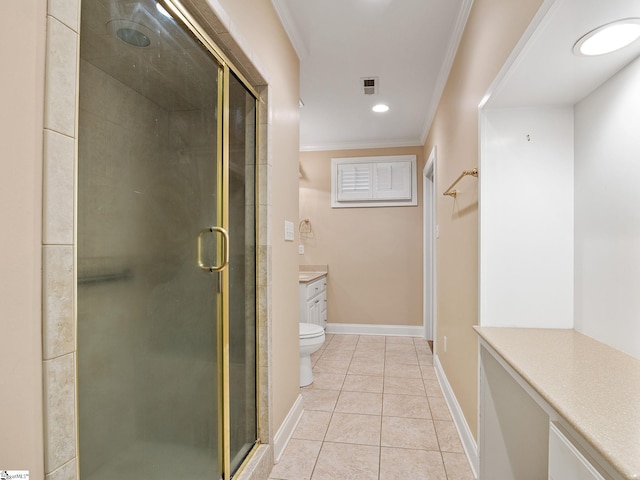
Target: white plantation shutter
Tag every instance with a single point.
(392, 181)
(373, 181)
(354, 182)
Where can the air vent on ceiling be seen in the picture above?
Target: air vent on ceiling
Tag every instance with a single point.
(370, 85)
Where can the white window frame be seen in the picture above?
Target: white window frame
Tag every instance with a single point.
(372, 196)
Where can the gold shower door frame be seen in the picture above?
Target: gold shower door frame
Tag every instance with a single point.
(223, 164)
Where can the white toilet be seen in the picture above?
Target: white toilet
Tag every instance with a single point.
(311, 339)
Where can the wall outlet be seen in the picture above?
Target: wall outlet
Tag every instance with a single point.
(301, 249)
(444, 344)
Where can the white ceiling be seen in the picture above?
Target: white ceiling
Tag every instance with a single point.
(546, 72)
(407, 44)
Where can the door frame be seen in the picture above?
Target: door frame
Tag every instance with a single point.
(429, 236)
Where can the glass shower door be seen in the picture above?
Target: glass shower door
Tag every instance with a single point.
(150, 187)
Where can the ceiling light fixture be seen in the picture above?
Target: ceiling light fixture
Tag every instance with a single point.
(608, 38)
(380, 108)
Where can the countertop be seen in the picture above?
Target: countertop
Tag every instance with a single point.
(594, 387)
(306, 277)
(309, 273)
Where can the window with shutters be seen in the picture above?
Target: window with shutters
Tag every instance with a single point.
(373, 181)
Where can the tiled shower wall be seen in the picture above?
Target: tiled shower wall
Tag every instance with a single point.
(59, 276)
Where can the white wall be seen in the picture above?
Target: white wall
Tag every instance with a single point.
(526, 228)
(607, 212)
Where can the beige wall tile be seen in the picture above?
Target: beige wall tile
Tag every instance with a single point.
(67, 11)
(69, 471)
(58, 320)
(60, 89)
(59, 175)
(59, 409)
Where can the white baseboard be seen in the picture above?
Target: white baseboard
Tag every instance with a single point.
(468, 442)
(283, 435)
(367, 329)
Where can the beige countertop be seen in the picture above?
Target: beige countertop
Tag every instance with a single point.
(309, 273)
(306, 277)
(594, 387)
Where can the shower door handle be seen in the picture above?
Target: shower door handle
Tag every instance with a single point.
(225, 249)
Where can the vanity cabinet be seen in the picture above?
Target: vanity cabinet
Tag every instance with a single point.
(556, 404)
(313, 302)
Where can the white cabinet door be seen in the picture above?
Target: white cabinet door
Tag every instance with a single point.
(313, 312)
(565, 461)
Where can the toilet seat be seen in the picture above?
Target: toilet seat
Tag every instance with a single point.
(310, 330)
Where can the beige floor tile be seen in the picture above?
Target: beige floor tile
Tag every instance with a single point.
(344, 461)
(425, 359)
(403, 386)
(448, 438)
(313, 425)
(369, 356)
(409, 433)
(297, 461)
(433, 388)
(343, 341)
(371, 340)
(439, 408)
(400, 348)
(405, 464)
(401, 358)
(428, 372)
(359, 402)
(337, 354)
(402, 371)
(316, 399)
(354, 428)
(362, 383)
(399, 340)
(365, 368)
(327, 381)
(331, 366)
(405, 406)
(457, 466)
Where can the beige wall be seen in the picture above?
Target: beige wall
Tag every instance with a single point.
(374, 254)
(22, 45)
(257, 23)
(492, 30)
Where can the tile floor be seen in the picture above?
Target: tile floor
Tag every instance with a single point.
(375, 411)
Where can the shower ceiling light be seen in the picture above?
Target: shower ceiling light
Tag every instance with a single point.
(380, 108)
(132, 33)
(608, 38)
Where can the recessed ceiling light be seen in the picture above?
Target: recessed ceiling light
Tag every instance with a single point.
(380, 108)
(608, 38)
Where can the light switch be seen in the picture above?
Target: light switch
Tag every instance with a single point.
(288, 231)
(301, 249)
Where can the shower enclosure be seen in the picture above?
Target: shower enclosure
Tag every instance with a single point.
(166, 239)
